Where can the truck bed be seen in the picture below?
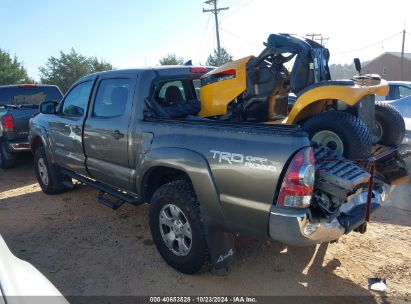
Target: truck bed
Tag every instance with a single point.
(246, 161)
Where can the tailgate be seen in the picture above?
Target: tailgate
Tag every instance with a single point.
(21, 118)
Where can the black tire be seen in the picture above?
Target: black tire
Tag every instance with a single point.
(7, 159)
(181, 194)
(390, 123)
(353, 133)
(55, 178)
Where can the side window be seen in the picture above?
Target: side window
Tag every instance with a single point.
(404, 91)
(111, 97)
(393, 93)
(75, 104)
(171, 92)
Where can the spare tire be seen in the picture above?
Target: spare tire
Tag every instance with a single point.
(342, 132)
(389, 125)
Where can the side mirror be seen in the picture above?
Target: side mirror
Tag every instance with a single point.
(48, 107)
(357, 64)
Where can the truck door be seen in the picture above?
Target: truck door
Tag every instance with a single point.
(67, 127)
(106, 133)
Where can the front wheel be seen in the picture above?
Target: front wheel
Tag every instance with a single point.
(177, 227)
(49, 177)
(342, 132)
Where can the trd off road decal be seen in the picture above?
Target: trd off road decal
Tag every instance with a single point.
(253, 162)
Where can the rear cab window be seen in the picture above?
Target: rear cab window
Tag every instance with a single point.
(175, 91)
(175, 94)
(174, 99)
(28, 94)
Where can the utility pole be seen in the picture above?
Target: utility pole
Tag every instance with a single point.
(402, 54)
(318, 37)
(215, 11)
(323, 39)
(313, 35)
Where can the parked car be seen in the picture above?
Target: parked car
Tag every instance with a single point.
(22, 283)
(135, 136)
(19, 103)
(398, 89)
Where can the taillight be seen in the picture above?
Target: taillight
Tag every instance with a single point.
(7, 123)
(298, 184)
(230, 72)
(198, 70)
(28, 85)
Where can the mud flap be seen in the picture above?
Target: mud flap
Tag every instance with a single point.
(221, 246)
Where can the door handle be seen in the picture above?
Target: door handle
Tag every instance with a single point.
(117, 134)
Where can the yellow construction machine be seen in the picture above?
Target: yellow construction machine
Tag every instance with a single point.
(340, 114)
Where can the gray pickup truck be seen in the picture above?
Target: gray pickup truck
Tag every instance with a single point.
(135, 136)
(19, 103)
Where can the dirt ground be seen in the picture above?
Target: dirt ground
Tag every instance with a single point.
(85, 248)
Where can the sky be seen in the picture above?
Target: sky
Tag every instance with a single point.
(134, 33)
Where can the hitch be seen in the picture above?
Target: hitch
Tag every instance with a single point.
(392, 169)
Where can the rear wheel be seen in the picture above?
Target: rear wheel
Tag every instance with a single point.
(342, 132)
(389, 127)
(177, 227)
(49, 177)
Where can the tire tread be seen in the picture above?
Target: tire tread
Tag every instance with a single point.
(356, 135)
(183, 191)
(392, 122)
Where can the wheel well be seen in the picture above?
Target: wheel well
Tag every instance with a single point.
(35, 143)
(159, 176)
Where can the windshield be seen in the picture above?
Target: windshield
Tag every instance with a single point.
(21, 95)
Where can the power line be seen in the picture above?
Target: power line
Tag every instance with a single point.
(204, 34)
(209, 42)
(240, 38)
(236, 2)
(239, 8)
(368, 46)
(215, 11)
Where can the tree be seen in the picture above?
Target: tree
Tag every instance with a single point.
(342, 71)
(63, 71)
(212, 59)
(12, 70)
(171, 59)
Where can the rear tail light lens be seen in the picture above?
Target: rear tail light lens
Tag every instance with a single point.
(7, 123)
(230, 72)
(298, 184)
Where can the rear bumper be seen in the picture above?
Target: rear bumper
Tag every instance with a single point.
(19, 146)
(295, 227)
